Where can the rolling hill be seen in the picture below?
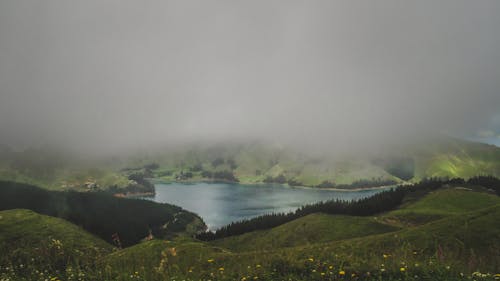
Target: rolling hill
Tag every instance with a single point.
(259, 162)
(47, 243)
(256, 162)
(459, 242)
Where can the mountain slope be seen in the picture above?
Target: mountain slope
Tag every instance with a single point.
(259, 162)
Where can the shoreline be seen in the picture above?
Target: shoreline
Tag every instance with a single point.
(158, 180)
(133, 194)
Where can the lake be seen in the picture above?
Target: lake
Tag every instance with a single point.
(222, 203)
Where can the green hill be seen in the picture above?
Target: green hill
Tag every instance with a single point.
(30, 239)
(314, 228)
(255, 162)
(259, 162)
(449, 157)
(436, 205)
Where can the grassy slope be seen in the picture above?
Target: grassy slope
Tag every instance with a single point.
(456, 158)
(440, 204)
(67, 178)
(314, 228)
(468, 237)
(26, 234)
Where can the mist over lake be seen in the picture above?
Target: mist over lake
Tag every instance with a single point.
(222, 203)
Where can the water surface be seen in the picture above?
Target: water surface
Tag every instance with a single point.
(222, 203)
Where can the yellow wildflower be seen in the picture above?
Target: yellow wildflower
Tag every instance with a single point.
(402, 269)
(221, 268)
(173, 252)
(330, 267)
(342, 272)
(210, 260)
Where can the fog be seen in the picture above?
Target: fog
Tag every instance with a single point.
(108, 76)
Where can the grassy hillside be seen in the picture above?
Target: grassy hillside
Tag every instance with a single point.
(448, 157)
(314, 228)
(440, 204)
(47, 243)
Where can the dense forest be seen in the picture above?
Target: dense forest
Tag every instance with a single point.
(378, 203)
(98, 212)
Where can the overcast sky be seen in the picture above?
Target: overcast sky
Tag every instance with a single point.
(107, 75)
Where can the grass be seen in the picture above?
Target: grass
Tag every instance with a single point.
(30, 240)
(67, 178)
(25, 227)
(311, 229)
(439, 204)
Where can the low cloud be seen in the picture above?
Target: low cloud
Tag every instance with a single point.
(115, 75)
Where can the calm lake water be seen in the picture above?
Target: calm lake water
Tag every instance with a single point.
(222, 203)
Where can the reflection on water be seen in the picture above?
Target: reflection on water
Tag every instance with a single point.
(222, 203)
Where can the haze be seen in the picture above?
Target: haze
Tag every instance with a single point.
(105, 76)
